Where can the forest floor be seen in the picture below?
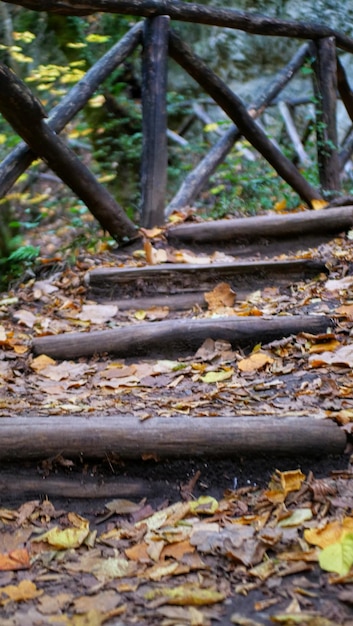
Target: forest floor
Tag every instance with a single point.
(199, 541)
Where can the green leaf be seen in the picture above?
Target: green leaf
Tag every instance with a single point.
(216, 377)
(338, 557)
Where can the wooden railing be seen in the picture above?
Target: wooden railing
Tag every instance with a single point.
(26, 115)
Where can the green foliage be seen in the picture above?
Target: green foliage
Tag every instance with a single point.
(51, 53)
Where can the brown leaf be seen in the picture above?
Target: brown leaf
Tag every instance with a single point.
(221, 296)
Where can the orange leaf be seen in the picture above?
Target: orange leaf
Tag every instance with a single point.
(318, 204)
(254, 362)
(319, 348)
(346, 310)
(16, 559)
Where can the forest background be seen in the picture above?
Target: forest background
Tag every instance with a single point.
(52, 52)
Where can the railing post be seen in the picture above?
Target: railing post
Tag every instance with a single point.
(325, 91)
(154, 120)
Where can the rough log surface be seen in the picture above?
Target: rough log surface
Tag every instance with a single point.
(250, 228)
(228, 18)
(325, 90)
(154, 121)
(176, 337)
(181, 278)
(97, 437)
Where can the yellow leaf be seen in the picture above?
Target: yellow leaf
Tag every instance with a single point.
(331, 533)
(64, 539)
(216, 377)
(94, 38)
(25, 590)
(302, 619)
(338, 557)
(346, 310)
(186, 594)
(298, 517)
(42, 361)
(209, 128)
(96, 102)
(140, 314)
(326, 346)
(254, 362)
(291, 480)
(280, 205)
(318, 204)
(204, 504)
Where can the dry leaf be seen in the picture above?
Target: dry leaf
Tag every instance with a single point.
(254, 362)
(221, 296)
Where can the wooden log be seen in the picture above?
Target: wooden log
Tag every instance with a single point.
(126, 436)
(176, 337)
(344, 88)
(293, 133)
(346, 150)
(154, 121)
(200, 175)
(192, 12)
(268, 226)
(25, 115)
(14, 484)
(325, 90)
(173, 278)
(21, 157)
(235, 109)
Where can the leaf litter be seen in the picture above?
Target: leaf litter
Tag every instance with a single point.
(285, 551)
(279, 554)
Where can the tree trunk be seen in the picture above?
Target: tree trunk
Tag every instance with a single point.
(154, 121)
(325, 89)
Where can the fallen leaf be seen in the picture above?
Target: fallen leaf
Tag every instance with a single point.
(97, 313)
(14, 560)
(318, 204)
(64, 539)
(346, 310)
(254, 362)
(25, 317)
(342, 356)
(25, 590)
(186, 594)
(330, 533)
(41, 362)
(217, 377)
(338, 557)
(221, 296)
(339, 284)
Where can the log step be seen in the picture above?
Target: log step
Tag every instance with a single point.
(176, 338)
(170, 279)
(321, 222)
(175, 436)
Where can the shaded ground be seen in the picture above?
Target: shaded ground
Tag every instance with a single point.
(214, 559)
